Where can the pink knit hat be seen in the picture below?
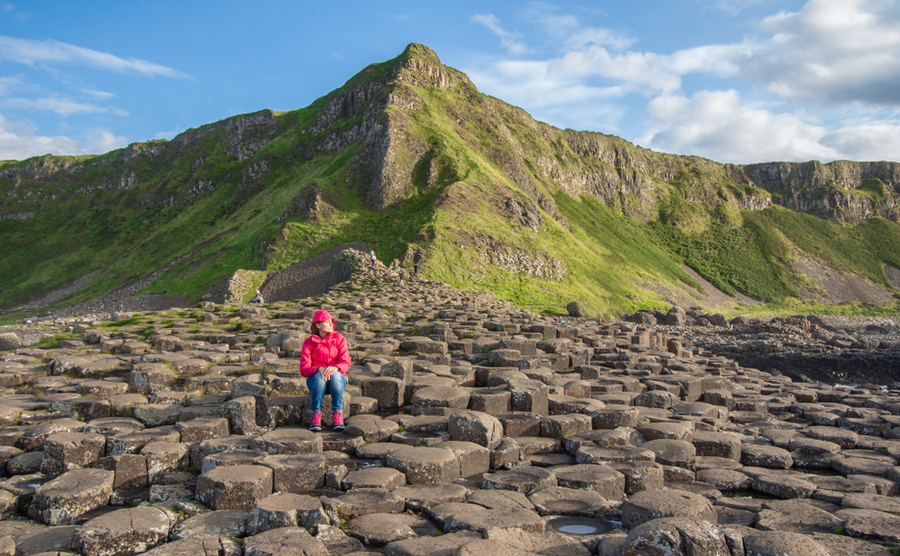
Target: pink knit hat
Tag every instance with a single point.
(319, 316)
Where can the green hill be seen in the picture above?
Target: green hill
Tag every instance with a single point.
(410, 158)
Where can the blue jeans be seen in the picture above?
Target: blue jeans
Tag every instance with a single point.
(317, 387)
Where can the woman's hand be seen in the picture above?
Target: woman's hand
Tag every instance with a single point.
(328, 371)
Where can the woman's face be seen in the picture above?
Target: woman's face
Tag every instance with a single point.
(325, 327)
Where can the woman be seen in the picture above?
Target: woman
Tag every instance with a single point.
(324, 361)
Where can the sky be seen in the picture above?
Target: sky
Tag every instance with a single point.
(738, 81)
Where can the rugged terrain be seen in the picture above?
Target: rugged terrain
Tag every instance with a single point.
(410, 159)
(476, 427)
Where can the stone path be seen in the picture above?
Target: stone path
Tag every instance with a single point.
(184, 432)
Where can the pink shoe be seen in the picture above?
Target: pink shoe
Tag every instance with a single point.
(338, 417)
(315, 421)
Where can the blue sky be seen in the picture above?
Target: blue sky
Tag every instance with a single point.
(737, 81)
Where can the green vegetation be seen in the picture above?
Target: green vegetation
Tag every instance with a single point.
(484, 196)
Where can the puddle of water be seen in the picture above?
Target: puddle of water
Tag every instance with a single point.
(578, 529)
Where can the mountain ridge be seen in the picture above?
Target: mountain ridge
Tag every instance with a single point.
(413, 137)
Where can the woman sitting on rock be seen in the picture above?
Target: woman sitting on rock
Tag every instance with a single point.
(324, 361)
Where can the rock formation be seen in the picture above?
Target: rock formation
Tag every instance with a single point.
(184, 430)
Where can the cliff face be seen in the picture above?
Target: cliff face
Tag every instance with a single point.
(842, 190)
(395, 131)
(388, 154)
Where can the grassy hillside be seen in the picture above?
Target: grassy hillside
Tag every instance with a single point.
(410, 158)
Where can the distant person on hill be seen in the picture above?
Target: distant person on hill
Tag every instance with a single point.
(257, 299)
(415, 270)
(324, 362)
(402, 276)
(372, 256)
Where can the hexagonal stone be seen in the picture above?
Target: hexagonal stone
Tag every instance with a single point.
(524, 479)
(667, 431)
(604, 480)
(288, 441)
(773, 543)
(515, 541)
(569, 501)
(62, 500)
(64, 451)
(165, 458)
(130, 470)
(871, 525)
(380, 529)
(420, 496)
(204, 546)
(670, 536)
(763, 455)
(718, 444)
(494, 499)
(364, 501)
(124, 532)
(725, 479)
(783, 486)
(297, 473)
(232, 457)
(371, 428)
(621, 454)
(472, 517)
(844, 438)
(473, 459)
(440, 396)
(420, 439)
(861, 466)
(34, 437)
(493, 401)
(424, 465)
(223, 523)
(283, 541)
(654, 504)
(796, 516)
(641, 475)
(374, 477)
(133, 442)
(389, 392)
(286, 510)
(202, 428)
(473, 426)
(672, 452)
(871, 501)
(236, 487)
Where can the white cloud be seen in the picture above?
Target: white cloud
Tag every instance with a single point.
(102, 95)
(635, 71)
(821, 83)
(871, 141)
(60, 105)
(33, 52)
(508, 40)
(18, 142)
(829, 53)
(720, 126)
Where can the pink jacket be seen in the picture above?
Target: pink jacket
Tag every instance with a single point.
(323, 352)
